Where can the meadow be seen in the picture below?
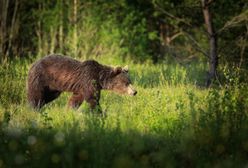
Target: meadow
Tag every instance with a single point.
(172, 122)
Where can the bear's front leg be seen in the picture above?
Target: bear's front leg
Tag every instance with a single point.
(93, 101)
(76, 100)
(94, 105)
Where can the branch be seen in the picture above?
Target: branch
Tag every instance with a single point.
(196, 44)
(243, 46)
(177, 18)
(172, 16)
(209, 2)
(174, 36)
(243, 17)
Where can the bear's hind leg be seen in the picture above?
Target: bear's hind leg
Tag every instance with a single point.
(50, 95)
(36, 101)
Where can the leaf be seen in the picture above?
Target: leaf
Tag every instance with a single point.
(152, 35)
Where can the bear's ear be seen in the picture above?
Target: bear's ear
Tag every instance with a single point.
(125, 68)
(116, 71)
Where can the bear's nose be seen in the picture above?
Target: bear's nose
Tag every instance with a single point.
(135, 92)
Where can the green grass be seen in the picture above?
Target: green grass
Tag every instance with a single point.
(172, 122)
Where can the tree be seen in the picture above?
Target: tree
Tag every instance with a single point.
(213, 57)
(9, 28)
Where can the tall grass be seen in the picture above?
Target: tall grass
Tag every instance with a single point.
(172, 122)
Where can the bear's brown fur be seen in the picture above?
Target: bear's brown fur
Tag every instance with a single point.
(53, 74)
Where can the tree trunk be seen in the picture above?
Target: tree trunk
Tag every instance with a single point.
(75, 38)
(213, 58)
(61, 32)
(4, 6)
(38, 32)
(13, 31)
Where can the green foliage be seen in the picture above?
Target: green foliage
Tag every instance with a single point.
(170, 123)
(98, 29)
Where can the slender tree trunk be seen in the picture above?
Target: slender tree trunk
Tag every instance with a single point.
(4, 6)
(1, 29)
(61, 34)
(13, 30)
(38, 33)
(213, 57)
(52, 40)
(75, 38)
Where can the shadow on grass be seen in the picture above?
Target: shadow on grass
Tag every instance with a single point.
(96, 146)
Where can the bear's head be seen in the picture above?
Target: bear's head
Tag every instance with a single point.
(120, 81)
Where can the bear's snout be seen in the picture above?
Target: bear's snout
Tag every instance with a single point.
(131, 91)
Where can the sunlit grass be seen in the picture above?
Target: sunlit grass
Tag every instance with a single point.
(172, 121)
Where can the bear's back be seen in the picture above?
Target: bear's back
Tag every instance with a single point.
(65, 73)
(68, 63)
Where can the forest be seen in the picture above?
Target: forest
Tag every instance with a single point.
(187, 59)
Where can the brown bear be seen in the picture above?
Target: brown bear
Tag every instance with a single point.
(53, 74)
